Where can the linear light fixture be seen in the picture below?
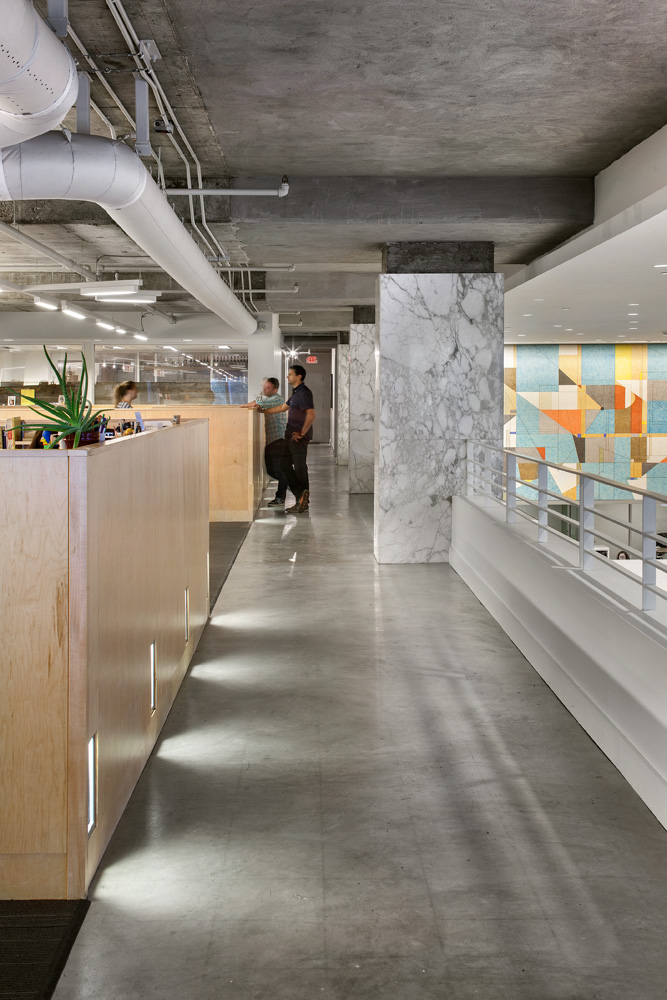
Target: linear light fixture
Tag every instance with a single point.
(92, 783)
(91, 289)
(139, 336)
(143, 300)
(167, 347)
(74, 313)
(46, 303)
(153, 679)
(105, 326)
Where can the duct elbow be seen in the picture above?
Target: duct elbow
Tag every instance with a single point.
(36, 96)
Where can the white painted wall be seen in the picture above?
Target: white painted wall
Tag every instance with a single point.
(605, 660)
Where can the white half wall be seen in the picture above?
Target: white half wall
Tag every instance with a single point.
(605, 660)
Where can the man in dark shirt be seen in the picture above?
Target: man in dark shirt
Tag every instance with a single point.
(300, 417)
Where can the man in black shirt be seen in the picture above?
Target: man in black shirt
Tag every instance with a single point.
(300, 417)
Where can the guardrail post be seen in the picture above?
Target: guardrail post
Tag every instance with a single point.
(586, 523)
(510, 488)
(542, 503)
(649, 524)
(487, 477)
(470, 486)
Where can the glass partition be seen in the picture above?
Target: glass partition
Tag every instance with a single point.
(203, 375)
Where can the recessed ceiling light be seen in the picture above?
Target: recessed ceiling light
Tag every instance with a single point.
(568, 329)
(565, 309)
(225, 347)
(542, 300)
(660, 265)
(187, 341)
(633, 303)
(598, 340)
(633, 314)
(580, 335)
(558, 326)
(527, 314)
(140, 336)
(522, 335)
(9, 340)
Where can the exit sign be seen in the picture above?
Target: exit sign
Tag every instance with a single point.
(312, 360)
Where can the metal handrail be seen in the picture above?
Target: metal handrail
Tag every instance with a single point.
(499, 484)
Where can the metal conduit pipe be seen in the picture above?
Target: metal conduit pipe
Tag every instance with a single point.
(28, 241)
(126, 28)
(90, 168)
(38, 80)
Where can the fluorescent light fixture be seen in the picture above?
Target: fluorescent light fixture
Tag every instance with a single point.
(538, 300)
(521, 335)
(74, 313)
(526, 314)
(119, 329)
(139, 336)
(187, 341)
(105, 326)
(145, 300)
(167, 347)
(633, 314)
(568, 329)
(633, 304)
(93, 288)
(660, 265)
(558, 326)
(223, 347)
(45, 303)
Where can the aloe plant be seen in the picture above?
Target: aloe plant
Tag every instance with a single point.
(74, 416)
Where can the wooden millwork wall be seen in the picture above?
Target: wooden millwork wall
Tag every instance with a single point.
(236, 452)
(99, 546)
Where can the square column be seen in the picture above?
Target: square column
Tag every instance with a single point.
(440, 383)
(362, 407)
(343, 400)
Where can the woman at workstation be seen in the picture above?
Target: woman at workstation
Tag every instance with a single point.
(124, 394)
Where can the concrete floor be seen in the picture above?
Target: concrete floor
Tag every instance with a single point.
(364, 791)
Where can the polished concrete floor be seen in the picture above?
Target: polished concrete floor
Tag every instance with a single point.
(364, 791)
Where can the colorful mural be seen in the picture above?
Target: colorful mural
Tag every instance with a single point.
(594, 407)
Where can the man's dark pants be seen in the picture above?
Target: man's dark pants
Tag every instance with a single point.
(273, 454)
(293, 465)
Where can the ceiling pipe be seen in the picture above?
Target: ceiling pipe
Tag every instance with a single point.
(90, 168)
(38, 79)
(280, 192)
(28, 241)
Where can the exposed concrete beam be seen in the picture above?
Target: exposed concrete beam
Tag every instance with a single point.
(401, 200)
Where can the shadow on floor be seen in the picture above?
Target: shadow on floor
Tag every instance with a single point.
(225, 540)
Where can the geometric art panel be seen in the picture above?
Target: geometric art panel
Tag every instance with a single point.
(598, 408)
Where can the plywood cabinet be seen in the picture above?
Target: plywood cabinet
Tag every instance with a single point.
(100, 547)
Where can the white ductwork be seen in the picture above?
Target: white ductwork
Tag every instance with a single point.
(38, 79)
(90, 168)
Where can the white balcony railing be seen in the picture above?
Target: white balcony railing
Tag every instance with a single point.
(492, 474)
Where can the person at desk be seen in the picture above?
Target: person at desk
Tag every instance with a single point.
(124, 394)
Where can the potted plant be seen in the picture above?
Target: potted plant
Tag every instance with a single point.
(72, 421)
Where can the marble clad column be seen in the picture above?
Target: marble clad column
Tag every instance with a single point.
(343, 401)
(440, 381)
(362, 408)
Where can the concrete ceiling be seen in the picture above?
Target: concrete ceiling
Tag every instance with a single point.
(394, 121)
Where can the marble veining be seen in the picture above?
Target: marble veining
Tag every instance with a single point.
(440, 382)
(343, 404)
(362, 407)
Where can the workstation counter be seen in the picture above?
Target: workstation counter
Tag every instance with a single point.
(104, 577)
(236, 451)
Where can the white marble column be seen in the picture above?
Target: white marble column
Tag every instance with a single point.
(342, 404)
(440, 382)
(362, 407)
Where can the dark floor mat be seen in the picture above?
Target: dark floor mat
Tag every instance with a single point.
(36, 937)
(225, 540)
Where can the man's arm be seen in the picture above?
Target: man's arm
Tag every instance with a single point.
(307, 424)
(276, 409)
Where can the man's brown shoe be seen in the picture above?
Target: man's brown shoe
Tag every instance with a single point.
(303, 502)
